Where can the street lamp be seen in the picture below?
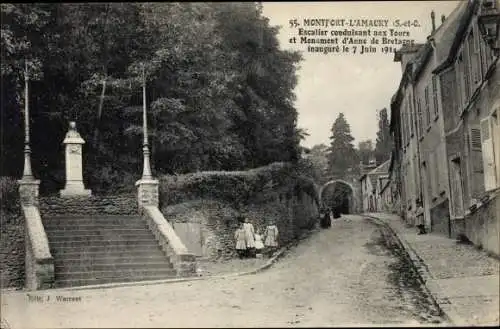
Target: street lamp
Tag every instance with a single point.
(27, 173)
(146, 172)
(489, 24)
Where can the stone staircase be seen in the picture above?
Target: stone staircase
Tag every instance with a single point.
(96, 249)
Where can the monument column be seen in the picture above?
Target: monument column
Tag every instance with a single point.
(73, 155)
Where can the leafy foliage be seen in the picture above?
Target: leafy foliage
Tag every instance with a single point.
(384, 142)
(365, 151)
(219, 91)
(343, 156)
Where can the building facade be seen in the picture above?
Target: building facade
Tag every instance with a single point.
(471, 102)
(371, 187)
(445, 126)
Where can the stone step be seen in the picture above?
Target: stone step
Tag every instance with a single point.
(102, 245)
(85, 282)
(119, 274)
(103, 236)
(98, 231)
(92, 226)
(106, 259)
(92, 220)
(76, 253)
(64, 267)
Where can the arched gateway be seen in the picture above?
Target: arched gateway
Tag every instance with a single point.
(352, 198)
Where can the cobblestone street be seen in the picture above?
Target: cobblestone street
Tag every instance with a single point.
(342, 276)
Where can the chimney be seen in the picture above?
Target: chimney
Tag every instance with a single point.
(433, 19)
(443, 18)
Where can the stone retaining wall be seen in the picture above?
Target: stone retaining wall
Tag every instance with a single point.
(207, 226)
(12, 252)
(482, 226)
(95, 205)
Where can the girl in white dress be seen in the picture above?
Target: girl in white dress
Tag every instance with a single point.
(241, 245)
(271, 241)
(258, 243)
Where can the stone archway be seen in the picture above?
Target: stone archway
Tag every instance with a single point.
(353, 202)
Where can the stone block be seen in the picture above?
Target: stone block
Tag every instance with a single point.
(147, 192)
(28, 192)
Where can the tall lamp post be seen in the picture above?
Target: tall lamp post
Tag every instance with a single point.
(27, 173)
(147, 186)
(146, 171)
(28, 185)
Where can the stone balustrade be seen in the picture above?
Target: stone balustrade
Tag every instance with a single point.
(183, 261)
(39, 261)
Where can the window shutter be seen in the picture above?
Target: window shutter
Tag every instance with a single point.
(435, 96)
(426, 104)
(411, 116)
(476, 147)
(475, 139)
(487, 150)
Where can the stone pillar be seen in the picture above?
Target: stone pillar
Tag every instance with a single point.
(73, 155)
(28, 192)
(147, 193)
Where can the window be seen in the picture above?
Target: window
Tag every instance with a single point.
(474, 51)
(466, 75)
(411, 117)
(435, 96)
(459, 94)
(420, 121)
(426, 105)
(432, 175)
(457, 201)
(495, 132)
(488, 154)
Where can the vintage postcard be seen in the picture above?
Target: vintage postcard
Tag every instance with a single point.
(250, 164)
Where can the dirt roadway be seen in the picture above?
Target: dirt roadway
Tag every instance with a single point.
(342, 276)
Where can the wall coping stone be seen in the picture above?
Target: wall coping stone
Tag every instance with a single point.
(37, 235)
(184, 262)
(39, 261)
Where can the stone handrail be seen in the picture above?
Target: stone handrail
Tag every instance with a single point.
(184, 262)
(39, 261)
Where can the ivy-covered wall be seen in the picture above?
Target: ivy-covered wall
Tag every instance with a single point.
(204, 207)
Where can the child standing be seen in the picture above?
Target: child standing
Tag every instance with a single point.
(271, 241)
(258, 243)
(241, 245)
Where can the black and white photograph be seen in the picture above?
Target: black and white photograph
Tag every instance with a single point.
(250, 164)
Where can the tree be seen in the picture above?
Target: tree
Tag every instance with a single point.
(383, 146)
(365, 151)
(342, 154)
(318, 156)
(219, 88)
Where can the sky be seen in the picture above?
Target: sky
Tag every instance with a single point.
(357, 85)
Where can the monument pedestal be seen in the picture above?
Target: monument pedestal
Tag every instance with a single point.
(74, 189)
(74, 178)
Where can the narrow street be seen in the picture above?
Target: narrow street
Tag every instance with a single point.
(342, 276)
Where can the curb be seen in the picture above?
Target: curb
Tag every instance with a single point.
(420, 267)
(277, 255)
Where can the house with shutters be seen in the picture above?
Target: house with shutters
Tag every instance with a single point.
(371, 186)
(404, 163)
(470, 99)
(417, 126)
(445, 123)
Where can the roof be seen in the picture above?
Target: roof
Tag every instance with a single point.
(446, 33)
(442, 39)
(407, 48)
(385, 186)
(464, 13)
(382, 169)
